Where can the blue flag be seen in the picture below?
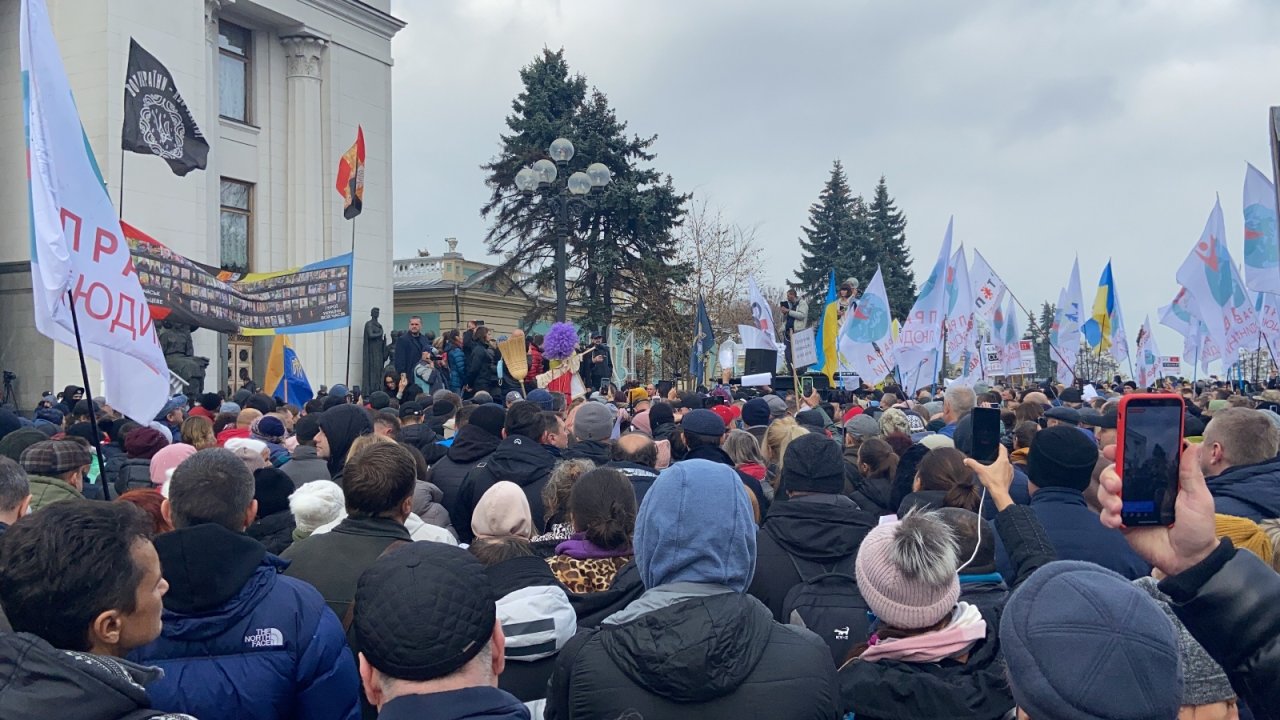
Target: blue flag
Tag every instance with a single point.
(285, 377)
(704, 341)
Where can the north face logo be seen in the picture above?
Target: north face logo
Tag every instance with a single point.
(265, 638)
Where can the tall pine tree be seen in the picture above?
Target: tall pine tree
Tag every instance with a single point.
(621, 248)
(887, 227)
(835, 238)
(1044, 355)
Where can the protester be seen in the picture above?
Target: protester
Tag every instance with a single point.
(957, 403)
(555, 503)
(816, 531)
(55, 470)
(503, 511)
(408, 350)
(378, 492)
(592, 427)
(76, 615)
(317, 504)
(755, 418)
(270, 430)
(1239, 462)
(274, 525)
(1206, 692)
(339, 428)
(602, 508)
(306, 465)
(435, 654)
(152, 503)
(482, 364)
(1225, 598)
(877, 466)
(931, 654)
(635, 455)
(15, 493)
(780, 433)
(518, 459)
(239, 639)
(473, 443)
(1060, 465)
(134, 471)
(695, 644)
(744, 451)
(197, 431)
(943, 480)
(703, 433)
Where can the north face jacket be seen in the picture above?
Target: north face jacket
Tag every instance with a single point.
(240, 640)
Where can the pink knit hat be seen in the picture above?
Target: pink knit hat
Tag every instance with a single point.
(907, 571)
(168, 458)
(641, 423)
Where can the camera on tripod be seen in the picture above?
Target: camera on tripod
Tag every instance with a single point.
(10, 376)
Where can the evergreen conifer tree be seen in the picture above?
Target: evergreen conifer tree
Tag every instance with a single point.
(887, 230)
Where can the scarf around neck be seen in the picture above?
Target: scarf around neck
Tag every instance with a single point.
(965, 629)
(579, 547)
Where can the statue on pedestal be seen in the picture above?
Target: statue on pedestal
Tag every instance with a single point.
(179, 355)
(375, 352)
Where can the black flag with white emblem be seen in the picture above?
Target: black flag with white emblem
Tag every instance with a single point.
(156, 120)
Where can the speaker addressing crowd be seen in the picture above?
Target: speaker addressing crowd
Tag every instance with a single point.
(725, 552)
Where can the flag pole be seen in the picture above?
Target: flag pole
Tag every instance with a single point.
(120, 204)
(88, 396)
(351, 288)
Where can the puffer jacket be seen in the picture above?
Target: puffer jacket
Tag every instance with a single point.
(821, 529)
(536, 615)
(482, 368)
(1249, 491)
(893, 690)
(422, 437)
(274, 531)
(714, 656)
(457, 360)
(1228, 603)
(241, 641)
(131, 474)
(517, 459)
(426, 504)
(471, 445)
(48, 490)
(39, 681)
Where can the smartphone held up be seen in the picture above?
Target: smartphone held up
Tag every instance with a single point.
(1148, 457)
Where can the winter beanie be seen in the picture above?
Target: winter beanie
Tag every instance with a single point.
(489, 418)
(503, 511)
(696, 525)
(1061, 456)
(316, 503)
(813, 463)
(755, 412)
(1081, 642)
(168, 458)
(907, 571)
(1204, 681)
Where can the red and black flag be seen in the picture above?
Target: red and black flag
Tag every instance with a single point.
(156, 119)
(351, 177)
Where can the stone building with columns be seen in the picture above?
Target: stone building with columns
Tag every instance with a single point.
(278, 88)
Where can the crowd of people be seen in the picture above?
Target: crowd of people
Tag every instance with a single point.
(457, 551)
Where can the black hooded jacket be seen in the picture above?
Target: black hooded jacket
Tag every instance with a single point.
(471, 445)
(342, 425)
(422, 437)
(716, 657)
(593, 450)
(823, 529)
(39, 681)
(894, 690)
(517, 459)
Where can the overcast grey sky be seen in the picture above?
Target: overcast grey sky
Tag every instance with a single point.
(1048, 129)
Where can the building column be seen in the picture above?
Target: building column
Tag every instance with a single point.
(305, 174)
(215, 379)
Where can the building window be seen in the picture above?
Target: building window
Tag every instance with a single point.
(236, 219)
(233, 71)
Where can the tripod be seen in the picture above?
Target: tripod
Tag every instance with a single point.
(9, 395)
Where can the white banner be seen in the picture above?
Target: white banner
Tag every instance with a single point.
(78, 247)
(1170, 366)
(1217, 290)
(804, 349)
(959, 305)
(992, 359)
(1261, 245)
(921, 334)
(1012, 334)
(1147, 364)
(866, 338)
(1027, 353)
(761, 314)
(988, 288)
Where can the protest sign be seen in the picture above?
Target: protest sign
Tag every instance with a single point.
(804, 348)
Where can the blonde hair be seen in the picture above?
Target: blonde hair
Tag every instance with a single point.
(776, 439)
(198, 433)
(365, 441)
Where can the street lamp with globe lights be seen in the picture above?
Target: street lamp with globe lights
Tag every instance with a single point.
(541, 177)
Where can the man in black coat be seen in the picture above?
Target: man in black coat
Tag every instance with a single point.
(597, 364)
(474, 442)
(409, 349)
(817, 528)
(703, 433)
(518, 458)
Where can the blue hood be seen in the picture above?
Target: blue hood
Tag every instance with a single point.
(695, 525)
